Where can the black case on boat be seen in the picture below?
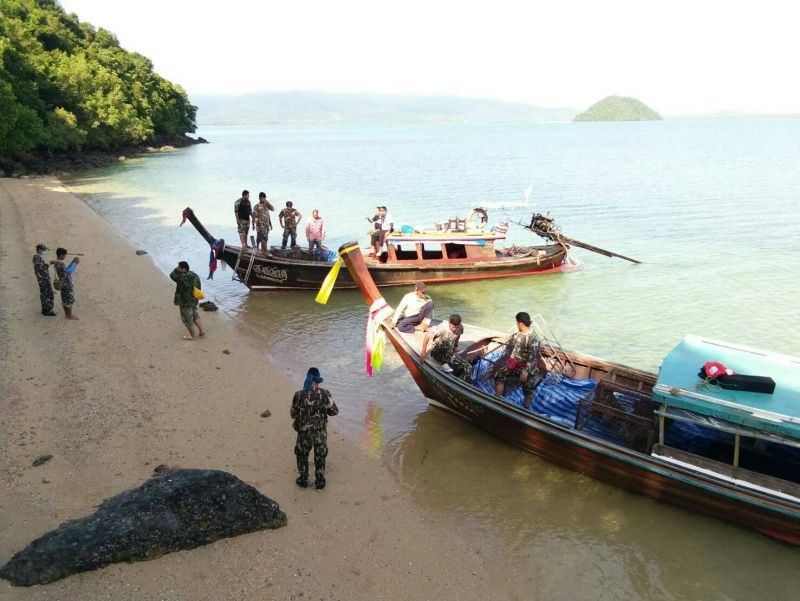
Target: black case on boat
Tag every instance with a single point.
(746, 383)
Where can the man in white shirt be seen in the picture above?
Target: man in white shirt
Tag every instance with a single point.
(415, 311)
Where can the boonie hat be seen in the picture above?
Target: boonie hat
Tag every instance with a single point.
(42, 246)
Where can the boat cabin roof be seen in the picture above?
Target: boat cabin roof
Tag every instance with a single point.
(679, 385)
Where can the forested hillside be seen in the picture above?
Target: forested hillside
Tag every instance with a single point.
(619, 108)
(67, 86)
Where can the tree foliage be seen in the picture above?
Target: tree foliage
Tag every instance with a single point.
(66, 86)
(619, 108)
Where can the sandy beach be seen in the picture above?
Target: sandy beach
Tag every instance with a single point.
(118, 392)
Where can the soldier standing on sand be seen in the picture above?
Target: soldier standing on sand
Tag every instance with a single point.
(64, 274)
(310, 410)
(42, 272)
(186, 281)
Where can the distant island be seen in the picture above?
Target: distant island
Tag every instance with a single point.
(301, 107)
(619, 108)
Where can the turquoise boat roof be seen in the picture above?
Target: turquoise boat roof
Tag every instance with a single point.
(679, 385)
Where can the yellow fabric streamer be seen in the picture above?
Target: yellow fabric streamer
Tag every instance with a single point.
(327, 286)
(376, 360)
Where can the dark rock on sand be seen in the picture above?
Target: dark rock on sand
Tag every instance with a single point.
(179, 510)
(41, 460)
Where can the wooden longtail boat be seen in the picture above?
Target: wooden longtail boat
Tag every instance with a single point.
(456, 255)
(730, 454)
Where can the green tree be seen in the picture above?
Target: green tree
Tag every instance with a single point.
(65, 85)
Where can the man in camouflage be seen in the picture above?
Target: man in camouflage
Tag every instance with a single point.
(289, 218)
(262, 222)
(64, 274)
(243, 213)
(311, 408)
(444, 347)
(186, 281)
(522, 362)
(42, 271)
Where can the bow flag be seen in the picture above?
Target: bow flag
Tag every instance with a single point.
(327, 286)
(216, 250)
(376, 339)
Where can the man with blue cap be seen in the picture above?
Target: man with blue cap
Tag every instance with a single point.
(311, 408)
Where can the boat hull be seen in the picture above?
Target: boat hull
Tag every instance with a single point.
(269, 273)
(643, 474)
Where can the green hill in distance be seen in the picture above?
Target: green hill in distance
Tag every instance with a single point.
(619, 108)
(317, 107)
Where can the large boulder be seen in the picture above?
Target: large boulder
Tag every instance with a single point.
(182, 509)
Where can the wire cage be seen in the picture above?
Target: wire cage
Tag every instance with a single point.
(621, 414)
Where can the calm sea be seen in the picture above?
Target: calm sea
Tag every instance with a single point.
(709, 207)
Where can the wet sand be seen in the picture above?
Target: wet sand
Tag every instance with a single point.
(118, 392)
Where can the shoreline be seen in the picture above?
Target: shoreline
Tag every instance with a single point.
(63, 163)
(119, 392)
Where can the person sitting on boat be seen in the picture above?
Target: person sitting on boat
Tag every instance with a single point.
(415, 311)
(444, 347)
(262, 222)
(522, 362)
(387, 223)
(242, 210)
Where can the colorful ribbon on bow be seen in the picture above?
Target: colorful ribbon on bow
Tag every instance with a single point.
(327, 285)
(376, 339)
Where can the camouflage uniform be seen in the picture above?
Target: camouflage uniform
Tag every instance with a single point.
(263, 221)
(184, 295)
(443, 349)
(310, 411)
(289, 225)
(524, 354)
(45, 286)
(244, 224)
(67, 290)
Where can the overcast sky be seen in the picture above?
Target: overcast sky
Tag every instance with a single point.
(680, 57)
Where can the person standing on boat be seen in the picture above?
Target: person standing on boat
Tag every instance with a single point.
(315, 232)
(444, 347)
(243, 211)
(262, 223)
(310, 410)
(415, 311)
(64, 274)
(42, 272)
(290, 219)
(186, 281)
(376, 237)
(522, 361)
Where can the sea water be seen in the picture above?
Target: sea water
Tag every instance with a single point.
(710, 208)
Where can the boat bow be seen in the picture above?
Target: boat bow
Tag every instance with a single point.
(188, 213)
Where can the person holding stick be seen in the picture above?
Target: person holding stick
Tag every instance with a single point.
(64, 280)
